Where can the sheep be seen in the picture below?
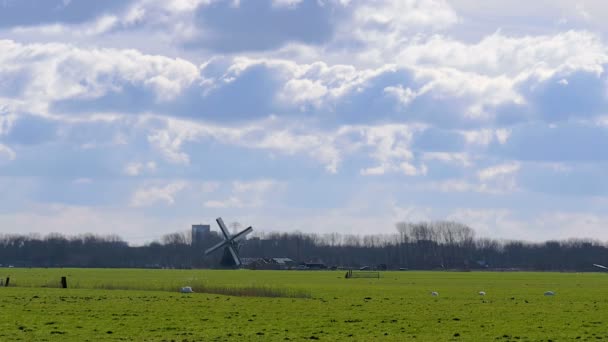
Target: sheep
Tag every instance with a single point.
(482, 293)
(549, 293)
(434, 294)
(186, 289)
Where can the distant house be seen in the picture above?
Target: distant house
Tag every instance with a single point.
(315, 266)
(284, 262)
(268, 263)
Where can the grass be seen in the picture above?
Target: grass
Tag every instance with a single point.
(146, 280)
(145, 305)
(201, 287)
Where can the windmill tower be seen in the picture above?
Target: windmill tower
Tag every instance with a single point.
(230, 243)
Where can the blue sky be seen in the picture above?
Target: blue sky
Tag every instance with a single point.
(141, 117)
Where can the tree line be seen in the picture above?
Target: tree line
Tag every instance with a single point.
(417, 246)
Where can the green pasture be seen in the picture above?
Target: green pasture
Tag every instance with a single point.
(145, 305)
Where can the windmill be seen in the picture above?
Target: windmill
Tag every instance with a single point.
(230, 243)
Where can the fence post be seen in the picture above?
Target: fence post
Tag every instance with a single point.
(7, 281)
(64, 282)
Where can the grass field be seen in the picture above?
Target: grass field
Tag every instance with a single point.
(145, 305)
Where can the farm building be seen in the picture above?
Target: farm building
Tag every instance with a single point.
(268, 263)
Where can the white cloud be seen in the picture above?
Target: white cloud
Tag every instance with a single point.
(135, 227)
(558, 167)
(150, 195)
(317, 83)
(64, 71)
(483, 92)
(176, 5)
(260, 186)
(99, 26)
(231, 202)
(478, 78)
(321, 85)
(391, 21)
(541, 15)
(7, 153)
(374, 171)
(500, 223)
(169, 146)
(317, 145)
(484, 137)
(136, 168)
(486, 74)
(602, 121)
(6, 120)
(302, 91)
(502, 135)
(497, 54)
(250, 194)
(571, 224)
(286, 3)
(390, 147)
(501, 170)
(403, 95)
(388, 144)
(499, 178)
(453, 185)
(461, 158)
(166, 20)
(169, 139)
(411, 213)
(209, 187)
(495, 223)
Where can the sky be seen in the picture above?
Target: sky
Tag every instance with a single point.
(142, 117)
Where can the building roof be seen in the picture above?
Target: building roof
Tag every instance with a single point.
(282, 261)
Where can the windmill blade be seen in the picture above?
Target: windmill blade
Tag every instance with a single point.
(216, 247)
(235, 256)
(242, 234)
(600, 266)
(225, 231)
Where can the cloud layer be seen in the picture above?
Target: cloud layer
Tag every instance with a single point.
(292, 114)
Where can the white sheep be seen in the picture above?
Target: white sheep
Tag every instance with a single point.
(482, 293)
(549, 293)
(434, 294)
(186, 289)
